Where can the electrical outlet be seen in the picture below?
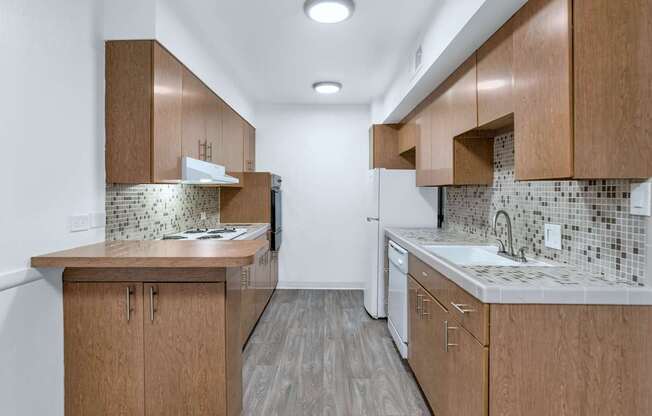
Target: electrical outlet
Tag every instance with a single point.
(553, 236)
(641, 198)
(203, 216)
(80, 223)
(98, 220)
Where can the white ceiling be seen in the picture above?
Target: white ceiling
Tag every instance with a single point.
(276, 53)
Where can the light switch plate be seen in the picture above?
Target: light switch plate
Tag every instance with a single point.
(80, 223)
(641, 198)
(553, 236)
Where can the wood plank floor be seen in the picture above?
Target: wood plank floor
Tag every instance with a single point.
(317, 352)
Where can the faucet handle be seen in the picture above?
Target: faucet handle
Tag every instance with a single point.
(521, 254)
(501, 249)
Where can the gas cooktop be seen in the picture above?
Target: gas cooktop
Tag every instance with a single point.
(224, 233)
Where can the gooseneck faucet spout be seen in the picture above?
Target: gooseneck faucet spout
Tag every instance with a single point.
(509, 230)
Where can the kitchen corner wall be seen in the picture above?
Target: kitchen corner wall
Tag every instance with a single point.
(148, 212)
(598, 233)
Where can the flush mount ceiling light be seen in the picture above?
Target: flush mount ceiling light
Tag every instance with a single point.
(329, 11)
(327, 87)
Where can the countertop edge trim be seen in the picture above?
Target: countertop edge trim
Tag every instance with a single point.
(497, 295)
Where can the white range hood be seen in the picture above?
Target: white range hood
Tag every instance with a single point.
(199, 172)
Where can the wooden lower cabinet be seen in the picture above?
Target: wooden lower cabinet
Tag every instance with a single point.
(543, 360)
(449, 364)
(148, 349)
(258, 285)
(101, 380)
(185, 363)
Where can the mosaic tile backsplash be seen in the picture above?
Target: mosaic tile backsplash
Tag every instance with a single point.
(148, 212)
(598, 233)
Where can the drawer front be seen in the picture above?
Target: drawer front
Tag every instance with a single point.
(431, 280)
(464, 308)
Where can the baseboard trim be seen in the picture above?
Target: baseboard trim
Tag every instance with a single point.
(10, 280)
(321, 285)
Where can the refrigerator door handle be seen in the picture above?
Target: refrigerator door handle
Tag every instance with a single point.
(369, 219)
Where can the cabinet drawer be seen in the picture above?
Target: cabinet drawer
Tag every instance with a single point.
(431, 280)
(464, 308)
(469, 312)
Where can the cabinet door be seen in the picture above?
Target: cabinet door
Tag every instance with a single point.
(423, 149)
(441, 141)
(407, 138)
(103, 348)
(167, 111)
(496, 78)
(247, 303)
(274, 269)
(193, 127)
(213, 118)
(467, 387)
(542, 90)
(185, 349)
(613, 88)
(233, 140)
(463, 98)
(426, 352)
(250, 148)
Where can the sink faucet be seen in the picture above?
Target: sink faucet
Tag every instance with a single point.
(510, 242)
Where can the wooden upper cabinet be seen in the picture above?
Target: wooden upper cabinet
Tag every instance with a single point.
(99, 380)
(129, 92)
(214, 143)
(462, 98)
(249, 148)
(441, 140)
(465, 159)
(407, 137)
(167, 115)
(383, 148)
(496, 79)
(158, 111)
(193, 131)
(543, 126)
(423, 151)
(233, 140)
(613, 88)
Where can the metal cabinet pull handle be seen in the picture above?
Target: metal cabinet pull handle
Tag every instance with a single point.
(447, 328)
(424, 274)
(462, 308)
(152, 292)
(243, 278)
(423, 308)
(129, 310)
(419, 307)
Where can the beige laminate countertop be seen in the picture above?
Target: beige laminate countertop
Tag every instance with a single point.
(155, 254)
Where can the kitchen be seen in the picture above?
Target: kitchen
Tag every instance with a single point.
(326, 207)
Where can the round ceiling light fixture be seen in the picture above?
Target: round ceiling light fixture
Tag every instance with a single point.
(329, 11)
(327, 87)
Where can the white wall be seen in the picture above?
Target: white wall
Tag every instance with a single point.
(52, 166)
(322, 154)
(189, 32)
(456, 30)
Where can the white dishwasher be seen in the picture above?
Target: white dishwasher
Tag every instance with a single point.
(397, 316)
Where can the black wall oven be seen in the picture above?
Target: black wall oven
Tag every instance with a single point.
(277, 214)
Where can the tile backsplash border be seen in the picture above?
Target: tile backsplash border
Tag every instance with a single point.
(598, 233)
(148, 212)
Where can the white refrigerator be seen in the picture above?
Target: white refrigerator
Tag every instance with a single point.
(394, 201)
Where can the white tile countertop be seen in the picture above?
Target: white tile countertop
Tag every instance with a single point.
(556, 284)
